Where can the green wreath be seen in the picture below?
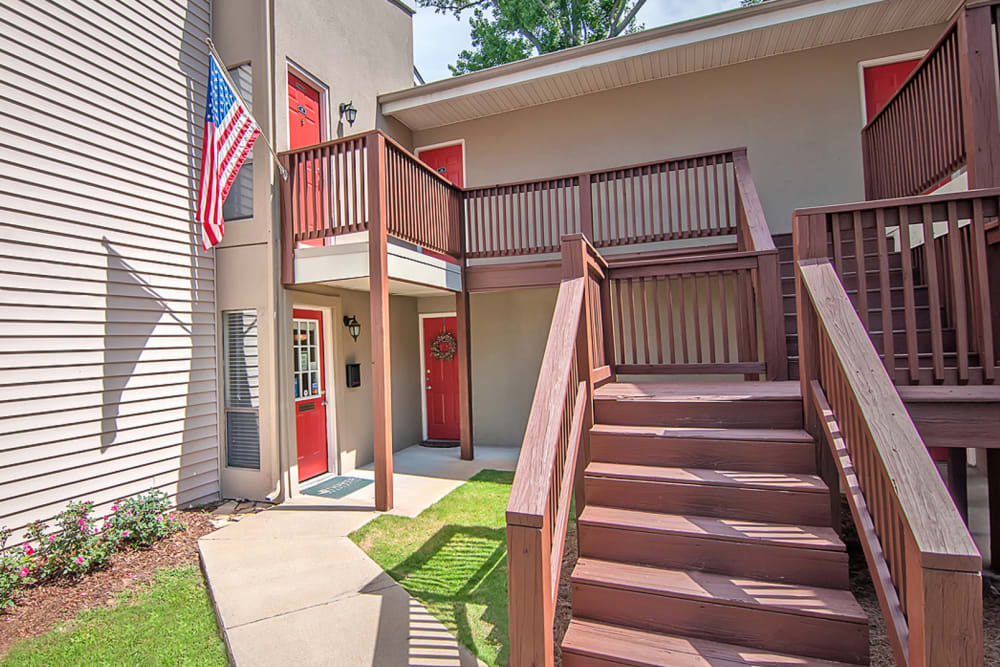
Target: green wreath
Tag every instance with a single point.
(444, 346)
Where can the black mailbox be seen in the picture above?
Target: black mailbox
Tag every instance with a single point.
(353, 375)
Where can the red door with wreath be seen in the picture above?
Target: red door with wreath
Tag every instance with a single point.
(441, 378)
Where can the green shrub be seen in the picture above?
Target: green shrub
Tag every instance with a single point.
(16, 569)
(77, 547)
(142, 520)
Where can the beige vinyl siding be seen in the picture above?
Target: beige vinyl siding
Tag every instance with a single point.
(107, 303)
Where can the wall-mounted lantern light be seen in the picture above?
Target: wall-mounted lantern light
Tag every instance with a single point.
(347, 110)
(352, 325)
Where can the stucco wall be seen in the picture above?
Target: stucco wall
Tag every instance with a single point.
(799, 115)
(509, 330)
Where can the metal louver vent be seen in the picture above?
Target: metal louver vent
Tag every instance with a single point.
(242, 389)
(242, 440)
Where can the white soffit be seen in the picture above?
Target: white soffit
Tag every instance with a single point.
(726, 38)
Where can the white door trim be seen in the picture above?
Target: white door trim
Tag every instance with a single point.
(875, 62)
(324, 101)
(444, 144)
(330, 354)
(423, 366)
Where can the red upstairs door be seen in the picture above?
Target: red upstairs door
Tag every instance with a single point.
(441, 378)
(309, 387)
(446, 161)
(882, 82)
(305, 129)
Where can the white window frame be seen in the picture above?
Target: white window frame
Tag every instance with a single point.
(444, 144)
(224, 422)
(423, 365)
(324, 101)
(875, 62)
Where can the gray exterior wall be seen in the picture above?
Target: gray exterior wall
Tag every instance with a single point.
(107, 334)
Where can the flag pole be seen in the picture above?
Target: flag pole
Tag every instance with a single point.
(232, 84)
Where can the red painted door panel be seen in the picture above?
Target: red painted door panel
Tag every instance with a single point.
(447, 161)
(309, 387)
(303, 113)
(304, 129)
(441, 383)
(882, 82)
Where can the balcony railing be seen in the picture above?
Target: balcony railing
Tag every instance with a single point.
(948, 103)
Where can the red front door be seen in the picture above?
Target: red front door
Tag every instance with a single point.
(441, 378)
(304, 129)
(309, 389)
(882, 82)
(447, 161)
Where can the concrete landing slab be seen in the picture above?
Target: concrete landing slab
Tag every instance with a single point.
(290, 588)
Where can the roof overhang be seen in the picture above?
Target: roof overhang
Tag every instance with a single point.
(717, 40)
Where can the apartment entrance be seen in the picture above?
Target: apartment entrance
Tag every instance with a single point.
(309, 386)
(440, 376)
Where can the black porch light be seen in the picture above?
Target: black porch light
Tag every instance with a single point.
(352, 325)
(347, 110)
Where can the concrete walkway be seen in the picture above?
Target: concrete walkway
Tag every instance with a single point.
(291, 588)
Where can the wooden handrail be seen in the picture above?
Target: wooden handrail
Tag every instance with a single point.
(553, 455)
(925, 566)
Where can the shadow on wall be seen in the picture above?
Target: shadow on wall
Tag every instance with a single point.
(139, 305)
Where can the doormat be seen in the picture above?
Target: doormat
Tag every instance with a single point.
(440, 444)
(337, 487)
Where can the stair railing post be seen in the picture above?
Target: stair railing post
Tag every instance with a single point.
(809, 241)
(978, 80)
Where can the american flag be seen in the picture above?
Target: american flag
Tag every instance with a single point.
(230, 132)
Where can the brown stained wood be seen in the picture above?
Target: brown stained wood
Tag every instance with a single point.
(909, 306)
(957, 284)
(934, 293)
(938, 530)
(287, 229)
(464, 335)
(529, 608)
(980, 122)
(379, 300)
(861, 268)
(885, 299)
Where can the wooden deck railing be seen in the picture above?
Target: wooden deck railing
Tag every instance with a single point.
(554, 452)
(680, 198)
(940, 327)
(923, 134)
(924, 564)
(331, 186)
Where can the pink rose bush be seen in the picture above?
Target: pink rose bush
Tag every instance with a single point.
(77, 543)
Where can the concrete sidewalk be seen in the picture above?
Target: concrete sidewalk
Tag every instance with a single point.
(290, 587)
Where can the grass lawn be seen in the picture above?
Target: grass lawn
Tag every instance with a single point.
(453, 559)
(170, 622)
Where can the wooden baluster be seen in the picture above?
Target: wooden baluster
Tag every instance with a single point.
(656, 319)
(682, 317)
(861, 270)
(934, 294)
(981, 283)
(620, 358)
(909, 299)
(727, 354)
(885, 295)
(958, 303)
(712, 334)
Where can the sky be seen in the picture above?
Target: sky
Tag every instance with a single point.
(437, 38)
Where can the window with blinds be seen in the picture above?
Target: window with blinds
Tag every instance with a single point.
(239, 202)
(242, 389)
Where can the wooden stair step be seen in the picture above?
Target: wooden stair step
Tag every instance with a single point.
(767, 496)
(778, 551)
(795, 618)
(590, 644)
(705, 404)
(763, 450)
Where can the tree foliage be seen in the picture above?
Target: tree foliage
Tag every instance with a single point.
(507, 30)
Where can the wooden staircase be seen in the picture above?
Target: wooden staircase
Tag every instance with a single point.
(706, 536)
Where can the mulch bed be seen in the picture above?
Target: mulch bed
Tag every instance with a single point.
(44, 607)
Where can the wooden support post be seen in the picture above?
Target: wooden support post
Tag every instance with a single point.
(529, 608)
(993, 478)
(958, 481)
(379, 280)
(981, 124)
(809, 244)
(586, 207)
(464, 333)
(287, 231)
(946, 616)
(772, 317)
